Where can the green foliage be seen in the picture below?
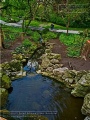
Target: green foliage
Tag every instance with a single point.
(5, 82)
(49, 35)
(26, 43)
(9, 37)
(35, 36)
(73, 43)
(15, 65)
(34, 23)
(11, 29)
(54, 18)
(45, 31)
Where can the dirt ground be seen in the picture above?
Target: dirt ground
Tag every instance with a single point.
(6, 54)
(71, 63)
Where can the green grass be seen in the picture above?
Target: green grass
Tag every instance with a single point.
(10, 34)
(48, 24)
(49, 35)
(11, 29)
(73, 43)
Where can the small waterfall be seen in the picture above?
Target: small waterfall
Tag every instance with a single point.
(31, 66)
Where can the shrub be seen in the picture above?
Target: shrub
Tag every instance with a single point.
(34, 23)
(26, 43)
(73, 43)
(49, 35)
(35, 36)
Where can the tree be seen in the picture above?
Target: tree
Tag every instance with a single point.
(1, 39)
(71, 12)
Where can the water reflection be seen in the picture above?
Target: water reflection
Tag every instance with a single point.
(38, 93)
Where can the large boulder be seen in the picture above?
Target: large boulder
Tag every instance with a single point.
(3, 96)
(86, 105)
(45, 61)
(82, 86)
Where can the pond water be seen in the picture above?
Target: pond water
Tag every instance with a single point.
(39, 94)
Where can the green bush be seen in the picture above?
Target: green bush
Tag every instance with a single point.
(29, 32)
(34, 23)
(56, 19)
(26, 43)
(73, 43)
(35, 36)
(49, 35)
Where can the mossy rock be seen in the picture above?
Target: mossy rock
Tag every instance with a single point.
(35, 117)
(15, 65)
(83, 86)
(5, 66)
(5, 82)
(3, 96)
(18, 56)
(6, 114)
(86, 105)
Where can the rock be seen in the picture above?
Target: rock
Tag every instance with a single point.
(59, 71)
(87, 118)
(45, 61)
(82, 86)
(5, 82)
(47, 51)
(69, 80)
(79, 75)
(86, 105)
(18, 75)
(18, 56)
(57, 66)
(15, 65)
(5, 66)
(1, 118)
(24, 60)
(3, 96)
(5, 113)
(54, 61)
(54, 56)
(66, 75)
(49, 69)
(39, 71)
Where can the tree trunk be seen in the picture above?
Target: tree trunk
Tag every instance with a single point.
(67, 26)
(1, 39)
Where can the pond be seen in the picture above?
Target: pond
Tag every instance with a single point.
(39, 94)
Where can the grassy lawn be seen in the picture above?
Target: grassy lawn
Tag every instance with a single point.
(48, 24)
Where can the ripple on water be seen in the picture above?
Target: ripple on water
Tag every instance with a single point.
(39, 93)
